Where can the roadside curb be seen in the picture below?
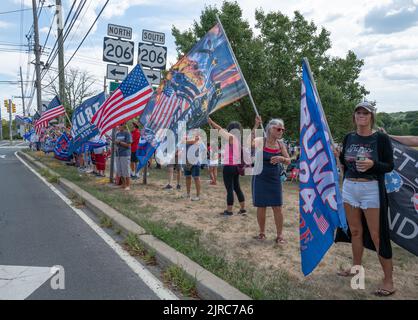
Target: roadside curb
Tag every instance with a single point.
(208, 285)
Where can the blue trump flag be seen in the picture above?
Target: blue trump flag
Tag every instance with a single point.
(61, 148)
(28, 135)
(82, 129)
(320, 201)
(203, 81)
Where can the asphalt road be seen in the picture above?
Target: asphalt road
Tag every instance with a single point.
(38, 229)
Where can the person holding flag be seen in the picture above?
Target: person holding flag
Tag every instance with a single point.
(123, 143)
(365, 157)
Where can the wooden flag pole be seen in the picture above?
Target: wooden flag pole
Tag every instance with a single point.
(240, 72)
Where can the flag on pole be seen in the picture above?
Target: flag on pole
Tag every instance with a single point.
(53, 110)
(205, 80)
(82, 129)
(320, 200)
(127, 102)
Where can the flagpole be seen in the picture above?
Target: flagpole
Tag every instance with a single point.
(317, 95)
(240, 72)
(69, 121)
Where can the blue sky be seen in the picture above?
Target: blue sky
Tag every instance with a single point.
(382, 32)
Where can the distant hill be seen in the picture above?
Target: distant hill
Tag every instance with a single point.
(399, 123)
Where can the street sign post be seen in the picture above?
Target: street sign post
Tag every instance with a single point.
(152, 56)
(114, 30)
(115, 72)
(153, 36)
(118, 51)
(153, 76)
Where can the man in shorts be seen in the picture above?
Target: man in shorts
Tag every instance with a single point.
(123, 143)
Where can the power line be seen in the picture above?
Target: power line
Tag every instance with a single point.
(81, 43)
(6, 12)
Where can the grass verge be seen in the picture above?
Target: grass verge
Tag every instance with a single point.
(255, 282)
(177, 278)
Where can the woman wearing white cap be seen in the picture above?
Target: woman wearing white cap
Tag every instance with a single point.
(365, 157)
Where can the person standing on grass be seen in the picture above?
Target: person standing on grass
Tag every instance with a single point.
(231, 160)
(365, 158)
(136, 135)
(171, 168)
(267, 186)
(192, 170)
(100, 156)
(213, 166)
(123, 143)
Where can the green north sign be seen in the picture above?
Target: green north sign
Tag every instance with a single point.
(113, 86)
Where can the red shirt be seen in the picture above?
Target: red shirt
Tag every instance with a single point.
(136, 135)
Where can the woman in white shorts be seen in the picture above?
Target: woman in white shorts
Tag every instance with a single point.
(365, 157)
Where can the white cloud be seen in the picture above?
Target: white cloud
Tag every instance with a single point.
(5, 25)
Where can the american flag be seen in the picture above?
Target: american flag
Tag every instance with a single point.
(127, 102)
(54, 110)
(164, 109)
(321, 222)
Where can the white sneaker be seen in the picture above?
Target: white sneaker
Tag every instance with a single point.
(186, 196)
(195, 199)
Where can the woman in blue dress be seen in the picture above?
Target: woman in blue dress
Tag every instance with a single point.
(267, 186)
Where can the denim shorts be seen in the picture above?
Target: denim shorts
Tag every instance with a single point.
(194, 171)
(361, 194)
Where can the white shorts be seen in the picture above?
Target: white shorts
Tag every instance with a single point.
(360, 194)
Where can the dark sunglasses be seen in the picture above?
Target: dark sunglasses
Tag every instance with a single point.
(279, 129)
(365, 113)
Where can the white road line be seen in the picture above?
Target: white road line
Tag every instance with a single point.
(147, 277)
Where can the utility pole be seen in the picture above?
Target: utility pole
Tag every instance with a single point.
(37, 51)
(61, 75)
(21, 88)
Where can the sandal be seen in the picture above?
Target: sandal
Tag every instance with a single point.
(346, 273)
(260, 237)
(384, 293)
(280, 240)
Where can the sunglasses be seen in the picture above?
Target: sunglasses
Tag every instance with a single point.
(279, 129)
(364, 113)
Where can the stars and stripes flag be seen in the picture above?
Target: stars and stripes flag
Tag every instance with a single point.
(53, 110)
(166, 106)
(126, 102)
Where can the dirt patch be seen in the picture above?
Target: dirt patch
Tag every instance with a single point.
(233, 236)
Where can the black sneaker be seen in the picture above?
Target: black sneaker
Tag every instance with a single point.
(168, 187)
(242, 211)
(178, 187)
(226, 213)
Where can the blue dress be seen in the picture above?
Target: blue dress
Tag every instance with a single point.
(267, 186)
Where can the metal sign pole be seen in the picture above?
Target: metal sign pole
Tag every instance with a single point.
(112, 157)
